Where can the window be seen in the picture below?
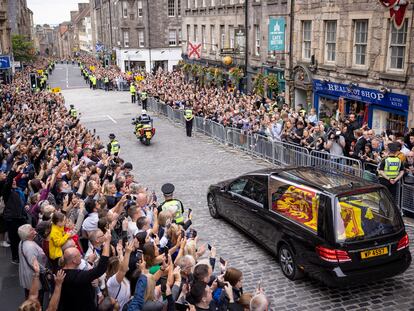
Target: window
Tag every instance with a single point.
(213, 3)
(231, 1)
(360, 41)
(189, 4)
(306, 39)
(195, 33)
(330, 41)
(295, 203)
(203, 37)
(141, 41)
(179, 8)
(126, 38)
(256, 40)
(222, 37)
(213, 37)
(180, 36)
(124, 9)
(231, 36)
(140, 11)
(195, 4)
(172, 38)
(203, 3)
(363, 216)
(188, 34)
(256, 189)
(171, 8)
(398, 43)
(238, 185)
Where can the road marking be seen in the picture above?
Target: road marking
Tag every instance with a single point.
(110, 118)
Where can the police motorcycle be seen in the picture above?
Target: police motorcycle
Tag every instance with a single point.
(144, 129)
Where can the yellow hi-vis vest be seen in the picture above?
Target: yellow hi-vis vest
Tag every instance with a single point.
(106, 80)
(392, 167)
(188, 114)
(132, 89)
(74, 113)
(114, 146)
(175, 207)
(143, 95)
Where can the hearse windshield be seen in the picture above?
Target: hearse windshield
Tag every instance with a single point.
(364, 216)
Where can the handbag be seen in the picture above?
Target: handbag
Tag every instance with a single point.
(46, 277)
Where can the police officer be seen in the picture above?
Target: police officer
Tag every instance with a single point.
(188, 116)
(73, 112)
(170, 204)
(133, 92)
(391, 169)
(113, 147)
(106, 81)
(144, 98)
(94, 82)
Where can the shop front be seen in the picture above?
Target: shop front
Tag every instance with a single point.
(301, 93)
(381, 109)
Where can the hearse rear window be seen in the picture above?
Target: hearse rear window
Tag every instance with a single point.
(365, 215)
(298, 204)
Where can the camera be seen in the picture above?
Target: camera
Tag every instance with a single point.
(334, 134)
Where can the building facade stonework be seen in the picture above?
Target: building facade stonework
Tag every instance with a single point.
(138, 33)
(5, 30)
(20, 18)
(348, 56)
(215, 24)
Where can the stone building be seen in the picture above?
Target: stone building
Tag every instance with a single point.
(349, 56)
(219, 26)
(65, 39)
(45, 41)
(138, 33)
(82, 28)
(20, 18)
(5, 36)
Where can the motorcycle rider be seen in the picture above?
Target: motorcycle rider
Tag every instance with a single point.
(143, 119)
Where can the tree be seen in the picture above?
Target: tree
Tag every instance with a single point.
(22, 49)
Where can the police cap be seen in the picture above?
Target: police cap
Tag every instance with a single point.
(167, 189)
(394, 147)
(128, 165)
(112, 136)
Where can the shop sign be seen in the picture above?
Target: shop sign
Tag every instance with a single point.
(371, 96)
(277, 34)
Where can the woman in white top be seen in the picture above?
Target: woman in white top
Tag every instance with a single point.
(117, 284)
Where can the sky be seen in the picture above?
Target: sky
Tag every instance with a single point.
(52, 11)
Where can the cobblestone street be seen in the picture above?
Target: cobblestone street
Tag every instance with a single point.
(192, 164)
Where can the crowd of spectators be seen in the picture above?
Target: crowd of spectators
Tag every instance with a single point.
(70, 209)
(342, 135)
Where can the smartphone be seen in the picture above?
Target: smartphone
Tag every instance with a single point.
(139, 255)
(189, 212)
(163, 282)
(154, 196)
(209, 247)
(166, 254)
(222, 261)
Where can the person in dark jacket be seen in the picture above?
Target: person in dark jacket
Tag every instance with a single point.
(77, 290)
(14, 210)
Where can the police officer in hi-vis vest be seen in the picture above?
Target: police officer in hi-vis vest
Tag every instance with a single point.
(113, 147)
(391, 169)
(133, 92)
(73, 112)
(188, 116)
(170, 204)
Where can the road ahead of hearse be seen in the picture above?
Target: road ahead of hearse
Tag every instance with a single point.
(192, 164)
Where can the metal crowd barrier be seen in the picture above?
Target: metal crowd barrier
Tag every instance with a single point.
(407, 197)
(282, 153)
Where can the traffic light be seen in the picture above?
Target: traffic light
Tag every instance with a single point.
(33, 82)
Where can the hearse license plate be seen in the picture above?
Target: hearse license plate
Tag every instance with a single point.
(374, 252)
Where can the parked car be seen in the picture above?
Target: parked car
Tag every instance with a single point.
(335, 227)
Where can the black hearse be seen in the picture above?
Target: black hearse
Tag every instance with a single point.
(337, 228)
